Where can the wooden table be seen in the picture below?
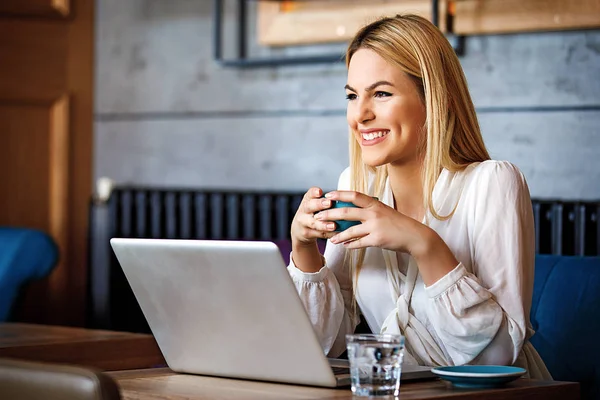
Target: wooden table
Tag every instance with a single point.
(163, 384)
(105, 350)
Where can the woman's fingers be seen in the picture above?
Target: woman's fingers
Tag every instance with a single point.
(315, 217)
(313, 192)
(356, 198)
(351, 234)
(313, 206)
(309, 228)
(342, 213)
(313, 201)
(356, 243)
(311, 223)
(323, 234)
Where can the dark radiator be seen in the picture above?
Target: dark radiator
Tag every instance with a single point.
(201, 215)
(568, 228)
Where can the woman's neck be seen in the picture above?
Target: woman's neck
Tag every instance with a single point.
(406, 183)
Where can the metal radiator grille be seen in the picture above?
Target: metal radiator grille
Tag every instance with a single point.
(201, 215)
(567, 228)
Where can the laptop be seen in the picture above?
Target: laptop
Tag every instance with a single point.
(229, 309)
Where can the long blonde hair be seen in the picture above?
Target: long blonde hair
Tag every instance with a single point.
(453, 138)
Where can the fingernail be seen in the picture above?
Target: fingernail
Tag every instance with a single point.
(333, 240)
(329, 195)
(331, 226)
(317, 192)
(326, 203)
(318, 216)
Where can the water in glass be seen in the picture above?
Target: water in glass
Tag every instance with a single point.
(375, 364)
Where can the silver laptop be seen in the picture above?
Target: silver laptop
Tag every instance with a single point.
(230, 309)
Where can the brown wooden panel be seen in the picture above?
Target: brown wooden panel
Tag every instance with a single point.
(46, 84)
(80, 86)
(505, 16)
(50, 8)
(34, 159)
(24, 165)
(58, 212)
(34, 165)
(34, 59)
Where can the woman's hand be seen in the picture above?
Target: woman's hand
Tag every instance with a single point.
(305, 228)
(381, 226)
(384, 227)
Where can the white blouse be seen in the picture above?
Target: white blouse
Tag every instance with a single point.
(476, 314)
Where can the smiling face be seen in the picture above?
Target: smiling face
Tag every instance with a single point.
(385, 110)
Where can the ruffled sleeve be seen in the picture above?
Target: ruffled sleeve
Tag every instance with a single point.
(481, 316)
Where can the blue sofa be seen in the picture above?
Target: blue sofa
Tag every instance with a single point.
(565, 314)
(25, 254)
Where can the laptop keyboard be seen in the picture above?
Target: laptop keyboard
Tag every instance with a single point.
(340, 370)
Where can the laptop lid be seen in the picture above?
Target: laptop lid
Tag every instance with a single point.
(224, 308)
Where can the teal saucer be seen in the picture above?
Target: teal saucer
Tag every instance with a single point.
(479, 376)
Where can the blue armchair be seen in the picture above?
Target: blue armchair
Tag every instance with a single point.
(565, 314)
(25, 254)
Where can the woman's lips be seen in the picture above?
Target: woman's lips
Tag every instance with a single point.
(373, 137)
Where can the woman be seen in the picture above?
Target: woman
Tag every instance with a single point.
(445, 257)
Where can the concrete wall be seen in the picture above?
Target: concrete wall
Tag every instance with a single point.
(167, 114)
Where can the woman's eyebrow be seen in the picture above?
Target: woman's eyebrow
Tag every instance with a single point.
(372, 87)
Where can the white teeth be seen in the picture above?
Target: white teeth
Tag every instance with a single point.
(374, 135)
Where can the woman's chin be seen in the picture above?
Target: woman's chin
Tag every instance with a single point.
(374, 162)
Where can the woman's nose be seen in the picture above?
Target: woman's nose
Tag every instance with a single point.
(365, 112)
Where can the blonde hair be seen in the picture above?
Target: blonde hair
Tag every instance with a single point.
(453, 138)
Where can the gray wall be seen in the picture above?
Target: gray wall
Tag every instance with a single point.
(167, 114)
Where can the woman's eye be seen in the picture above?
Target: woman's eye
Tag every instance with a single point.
(382, 94)
(350, 96)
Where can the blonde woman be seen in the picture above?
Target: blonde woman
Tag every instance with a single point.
(445, 256)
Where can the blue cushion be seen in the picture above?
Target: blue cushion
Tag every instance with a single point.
(565, 313)
(25, 254)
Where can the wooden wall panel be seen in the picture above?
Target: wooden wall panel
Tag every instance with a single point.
(24, 165)
(506, 16)
(34, 59)
(34, 178)
(80, 86)
(46, 92)
(46, 8)
(58, 195)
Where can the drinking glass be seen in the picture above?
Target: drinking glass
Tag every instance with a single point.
(375, 364)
